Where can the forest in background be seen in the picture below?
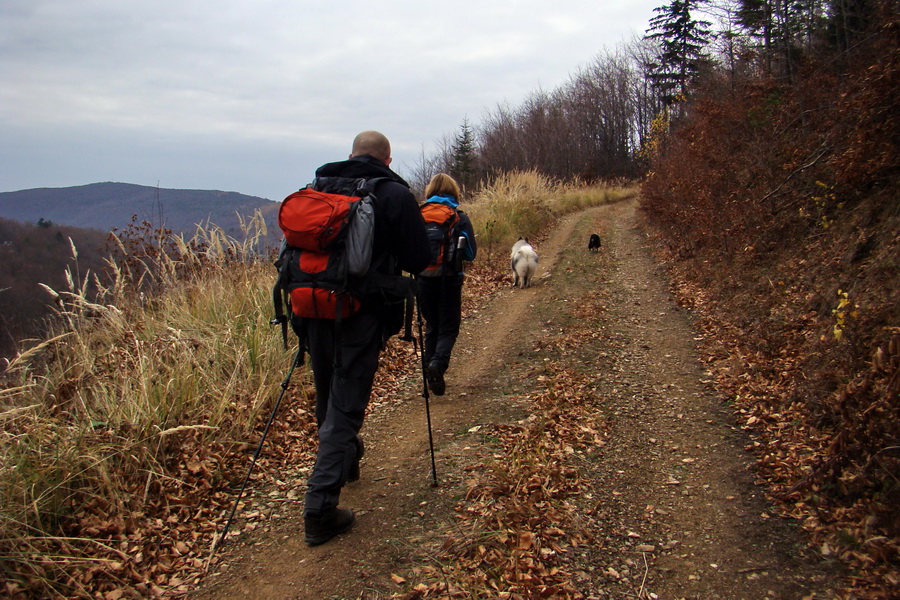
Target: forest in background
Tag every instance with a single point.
(48, 232)
(607, 120)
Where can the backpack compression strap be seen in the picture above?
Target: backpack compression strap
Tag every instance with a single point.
(279, 294)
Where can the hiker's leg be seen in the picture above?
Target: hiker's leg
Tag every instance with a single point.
(450, 318)
(429, 304)
(351, 384)
(320, 339)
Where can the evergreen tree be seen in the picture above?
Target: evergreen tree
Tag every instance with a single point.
(850, 21)
(681, 41)
(464, 158)
(787, 28)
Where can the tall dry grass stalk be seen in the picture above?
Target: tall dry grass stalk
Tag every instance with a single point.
(84, 415)
(525, 204)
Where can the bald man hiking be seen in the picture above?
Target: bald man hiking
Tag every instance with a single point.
(344, 352)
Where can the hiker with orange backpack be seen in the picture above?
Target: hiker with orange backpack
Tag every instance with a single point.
(440, 284)
(344, 322)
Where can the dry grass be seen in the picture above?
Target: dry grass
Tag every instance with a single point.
(523, 204)
(86, 414)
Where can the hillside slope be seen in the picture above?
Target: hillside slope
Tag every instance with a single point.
(31, 255)
(110, 205)
(776, 203)
(36, 225)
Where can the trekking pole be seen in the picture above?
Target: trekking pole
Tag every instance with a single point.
(425, 392)
(298, 360)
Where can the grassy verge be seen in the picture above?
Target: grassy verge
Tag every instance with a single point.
(133, 399)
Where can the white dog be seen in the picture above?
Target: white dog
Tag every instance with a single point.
(524, 262)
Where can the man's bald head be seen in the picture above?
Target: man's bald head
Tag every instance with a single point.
(372, 143)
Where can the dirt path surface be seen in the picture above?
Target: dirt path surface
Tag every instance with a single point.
(672, 508)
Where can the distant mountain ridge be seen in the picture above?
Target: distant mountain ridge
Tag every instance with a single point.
(109, 205)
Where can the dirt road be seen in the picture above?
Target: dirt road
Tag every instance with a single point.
(672, 507)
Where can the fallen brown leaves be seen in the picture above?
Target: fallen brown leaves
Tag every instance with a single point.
(155, 539)
(822, 457)
(517, 524)
(782, 232)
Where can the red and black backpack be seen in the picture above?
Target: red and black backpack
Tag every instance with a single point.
(441, 223)
(328, 229)
(326, 267)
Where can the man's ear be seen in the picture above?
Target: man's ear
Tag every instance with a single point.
(387, 161)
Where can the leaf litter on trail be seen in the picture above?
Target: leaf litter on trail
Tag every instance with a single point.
(517, 524)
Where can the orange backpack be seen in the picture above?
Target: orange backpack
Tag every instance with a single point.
(441, 224)
(327, 247)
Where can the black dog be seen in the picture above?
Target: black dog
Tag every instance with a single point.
(594, 243)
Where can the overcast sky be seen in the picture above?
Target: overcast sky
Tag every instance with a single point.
(251, 96)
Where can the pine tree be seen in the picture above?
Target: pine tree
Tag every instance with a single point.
(464, 157)
(681, 41)
(786, 28)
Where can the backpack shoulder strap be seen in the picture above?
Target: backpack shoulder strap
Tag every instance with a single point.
(369, 184)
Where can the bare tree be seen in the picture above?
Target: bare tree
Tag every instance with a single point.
(603, 115)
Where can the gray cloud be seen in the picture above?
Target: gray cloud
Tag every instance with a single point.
(252, 96)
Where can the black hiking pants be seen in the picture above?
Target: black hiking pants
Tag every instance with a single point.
(440, 300)
(342, 394)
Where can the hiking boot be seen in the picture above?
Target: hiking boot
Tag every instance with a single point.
(354, 468)
(434, 374)
(321, 529)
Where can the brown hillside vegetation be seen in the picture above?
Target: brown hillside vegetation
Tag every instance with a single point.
(31, 254)
(777, 206)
